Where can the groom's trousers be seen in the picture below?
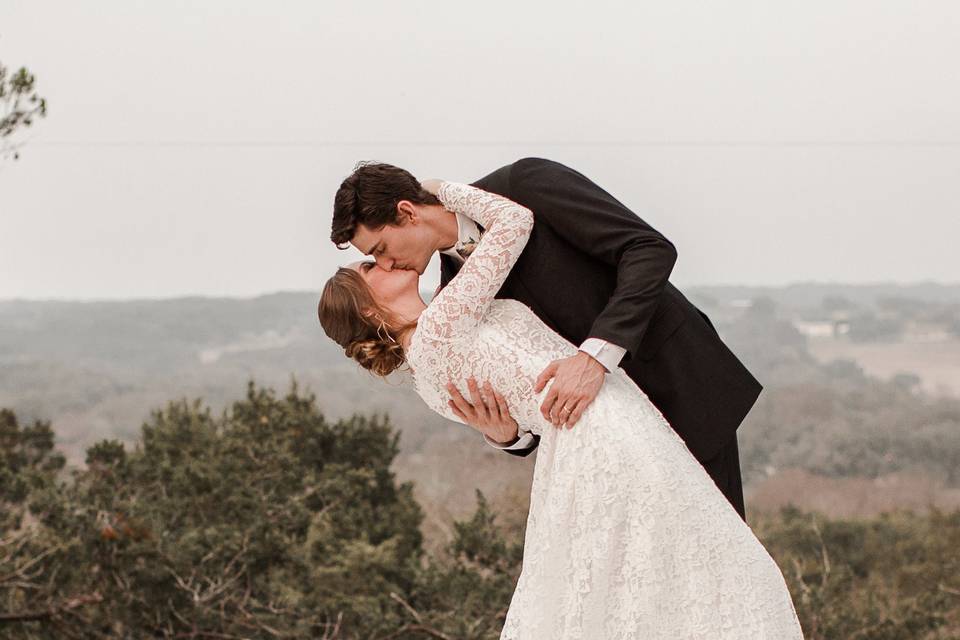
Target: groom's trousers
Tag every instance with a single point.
(724, 468)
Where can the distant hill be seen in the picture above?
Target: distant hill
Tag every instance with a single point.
(812, 294)
(96, 370)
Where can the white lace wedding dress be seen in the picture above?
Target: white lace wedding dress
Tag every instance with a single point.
(627, 536)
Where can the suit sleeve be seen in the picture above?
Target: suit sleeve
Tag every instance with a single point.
(523, 447)
(594, 222)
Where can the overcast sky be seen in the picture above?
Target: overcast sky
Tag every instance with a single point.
(194, 148)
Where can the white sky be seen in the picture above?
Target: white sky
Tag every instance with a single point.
(195, 147)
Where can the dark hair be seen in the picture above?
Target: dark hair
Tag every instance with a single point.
(365, 329)
(369, 196)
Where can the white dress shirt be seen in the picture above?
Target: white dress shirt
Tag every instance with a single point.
(606, 353)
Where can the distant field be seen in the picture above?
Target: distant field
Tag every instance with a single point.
(850, 497)
(937, 363)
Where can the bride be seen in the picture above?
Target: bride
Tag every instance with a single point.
(627, 536)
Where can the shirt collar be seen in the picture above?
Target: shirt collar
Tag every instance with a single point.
(467, 230)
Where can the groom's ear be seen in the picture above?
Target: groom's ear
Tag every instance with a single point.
(407, 212)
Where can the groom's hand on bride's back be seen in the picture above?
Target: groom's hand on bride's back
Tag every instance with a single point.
(576, 383)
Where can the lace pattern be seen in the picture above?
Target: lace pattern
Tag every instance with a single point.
(627, 536)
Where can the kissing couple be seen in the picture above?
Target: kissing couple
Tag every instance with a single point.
(555, 317)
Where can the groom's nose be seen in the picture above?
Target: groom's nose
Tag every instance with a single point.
(385, 263)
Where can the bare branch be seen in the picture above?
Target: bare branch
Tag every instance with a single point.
(50, 612)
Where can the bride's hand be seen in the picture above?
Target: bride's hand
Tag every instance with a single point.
(432, 185)
(488, 414)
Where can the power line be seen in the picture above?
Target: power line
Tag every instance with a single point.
(309, 144)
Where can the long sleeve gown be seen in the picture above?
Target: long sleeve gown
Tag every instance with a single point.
(627, 536)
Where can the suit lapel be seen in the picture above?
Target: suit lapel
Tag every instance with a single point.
(448, 269)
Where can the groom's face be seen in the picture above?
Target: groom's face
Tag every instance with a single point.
(407, 245)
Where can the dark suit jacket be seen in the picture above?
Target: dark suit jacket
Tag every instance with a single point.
(593, 268)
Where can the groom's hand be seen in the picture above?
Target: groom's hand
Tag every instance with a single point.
(487, 414)
(578, 381)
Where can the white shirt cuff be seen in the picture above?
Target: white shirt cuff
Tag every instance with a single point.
(606, 353)
(523, 442)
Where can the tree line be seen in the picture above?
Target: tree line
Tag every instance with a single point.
(269, 521)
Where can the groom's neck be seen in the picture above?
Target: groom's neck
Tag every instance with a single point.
(444, 222)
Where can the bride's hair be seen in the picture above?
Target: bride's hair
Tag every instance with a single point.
(352, 318)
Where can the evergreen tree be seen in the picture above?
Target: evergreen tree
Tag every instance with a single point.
(20, 105)
(269, 521)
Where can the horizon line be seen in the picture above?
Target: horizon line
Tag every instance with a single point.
(491, 143)
(174, 297)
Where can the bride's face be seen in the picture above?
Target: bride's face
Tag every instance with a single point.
(393, 288)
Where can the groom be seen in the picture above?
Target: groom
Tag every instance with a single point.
(595, 273)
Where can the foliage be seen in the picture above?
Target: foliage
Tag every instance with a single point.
(466, 592)
(20, 104)
(268, 521)
(869, 327)
(28, 461)
(894, 577)
(853, 427)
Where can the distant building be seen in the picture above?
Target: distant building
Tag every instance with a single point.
(925, 331)
(822, 328)
(814, 328)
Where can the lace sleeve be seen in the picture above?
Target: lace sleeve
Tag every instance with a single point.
(459, 306)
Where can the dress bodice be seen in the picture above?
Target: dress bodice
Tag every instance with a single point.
(509, 347)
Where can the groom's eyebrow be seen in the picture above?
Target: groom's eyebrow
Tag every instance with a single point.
(372, 249)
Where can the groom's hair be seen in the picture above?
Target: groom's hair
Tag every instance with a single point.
(369, 196)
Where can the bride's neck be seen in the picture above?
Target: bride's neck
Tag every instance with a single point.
(411, 314)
